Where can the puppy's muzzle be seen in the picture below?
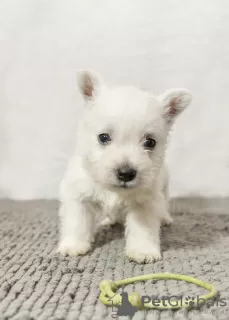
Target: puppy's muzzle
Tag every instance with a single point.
(126, 174)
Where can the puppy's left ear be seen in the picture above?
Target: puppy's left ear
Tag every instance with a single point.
(90, 84)
(174, 102)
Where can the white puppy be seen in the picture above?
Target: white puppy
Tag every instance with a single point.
(118, 169)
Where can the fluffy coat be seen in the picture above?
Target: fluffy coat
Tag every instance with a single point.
(118, 171)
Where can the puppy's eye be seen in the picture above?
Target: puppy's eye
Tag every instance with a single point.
(149, 143)
(104, 138)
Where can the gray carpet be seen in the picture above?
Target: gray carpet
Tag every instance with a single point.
(36, 283)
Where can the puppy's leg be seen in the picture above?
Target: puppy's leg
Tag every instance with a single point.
(143, 233)
(77, 229)
(166, 218)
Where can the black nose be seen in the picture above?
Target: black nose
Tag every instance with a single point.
(126, 174)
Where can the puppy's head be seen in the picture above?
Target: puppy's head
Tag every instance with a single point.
(124, 133)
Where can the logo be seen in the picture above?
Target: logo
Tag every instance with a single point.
(127, 309)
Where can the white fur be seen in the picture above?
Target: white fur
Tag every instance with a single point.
(90, 192)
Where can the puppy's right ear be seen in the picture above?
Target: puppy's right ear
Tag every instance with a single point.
(90, 84)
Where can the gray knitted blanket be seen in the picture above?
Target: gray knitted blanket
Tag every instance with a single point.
(36, 283)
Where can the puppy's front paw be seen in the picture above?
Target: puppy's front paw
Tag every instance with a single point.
(107, 222)
(167, 220)
(143, 256)
(73, 249)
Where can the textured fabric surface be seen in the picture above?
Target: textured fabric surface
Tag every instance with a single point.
(36, 283)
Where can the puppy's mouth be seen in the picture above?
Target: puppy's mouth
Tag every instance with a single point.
(126, 185)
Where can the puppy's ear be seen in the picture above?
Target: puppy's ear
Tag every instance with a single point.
(90, 84)
(174, 102)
